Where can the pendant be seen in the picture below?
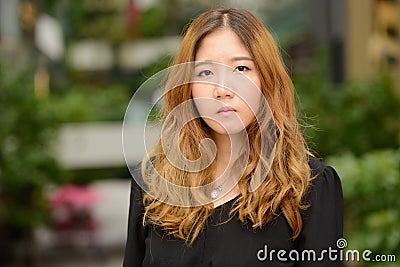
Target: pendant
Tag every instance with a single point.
(215, 192)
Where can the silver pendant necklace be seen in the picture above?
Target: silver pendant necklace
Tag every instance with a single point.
(215, 192)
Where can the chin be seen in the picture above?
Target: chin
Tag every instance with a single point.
(228, 130)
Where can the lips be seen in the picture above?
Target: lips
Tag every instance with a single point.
(226, 110)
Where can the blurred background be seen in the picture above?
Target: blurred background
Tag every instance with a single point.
(69, 68)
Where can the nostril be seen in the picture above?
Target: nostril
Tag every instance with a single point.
(221, 92)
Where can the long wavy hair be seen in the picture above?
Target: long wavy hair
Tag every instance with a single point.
(288, 178)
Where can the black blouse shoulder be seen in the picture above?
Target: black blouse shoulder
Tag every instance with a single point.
(233, 243)
(323, 220)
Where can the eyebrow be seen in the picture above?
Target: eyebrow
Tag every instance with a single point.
(241, 58)
(207, 62)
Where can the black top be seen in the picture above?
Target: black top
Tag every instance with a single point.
(236, 244)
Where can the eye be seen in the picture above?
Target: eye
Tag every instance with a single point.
(205, 73)
(242, 68)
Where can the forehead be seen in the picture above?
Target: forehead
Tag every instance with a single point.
(219, 45)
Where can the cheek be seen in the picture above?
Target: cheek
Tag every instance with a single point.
(256, 80)
(202, 101)
(194, 91)
(250, 101)
(200, 90)
(247, 116)
(203, 97)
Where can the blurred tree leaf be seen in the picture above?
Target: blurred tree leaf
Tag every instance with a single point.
(371, 189)
(81, 104)
(26, 164)
(354, 117)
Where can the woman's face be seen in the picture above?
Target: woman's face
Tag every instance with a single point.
(226, 84)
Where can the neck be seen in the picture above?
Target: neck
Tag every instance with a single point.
(228, 148)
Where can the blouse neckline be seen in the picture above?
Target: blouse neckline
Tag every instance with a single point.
(227, 202)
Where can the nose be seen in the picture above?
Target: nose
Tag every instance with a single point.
(220, 89)
(222, 92)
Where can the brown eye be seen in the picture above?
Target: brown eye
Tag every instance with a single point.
(242, 68)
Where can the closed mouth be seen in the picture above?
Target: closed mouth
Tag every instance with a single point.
(226, 110)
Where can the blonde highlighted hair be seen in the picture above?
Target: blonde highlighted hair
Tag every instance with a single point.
(286, 182)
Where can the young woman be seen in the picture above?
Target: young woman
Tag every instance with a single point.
(264, 200)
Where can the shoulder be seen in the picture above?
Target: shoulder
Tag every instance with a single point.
(325, 188)
(323, 175)
(137, 183)
(323, 217)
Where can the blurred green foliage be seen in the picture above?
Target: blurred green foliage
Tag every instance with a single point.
(152, 21)
(353, 117)
(371, 188)
(84, 104)
(26, 163)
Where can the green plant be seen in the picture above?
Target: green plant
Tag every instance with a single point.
(26, 164)
(88, 103)
(83, 104)
(371, 189)
(354, 117)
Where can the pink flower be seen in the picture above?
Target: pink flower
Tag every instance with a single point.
(76, 197)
